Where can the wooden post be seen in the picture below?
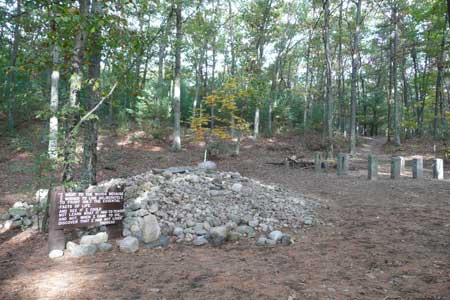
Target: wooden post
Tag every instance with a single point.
(417, 168)
(318, 161)
(438, 169)
(56, 241)
(342, 164)
(372, 167)
(396, 166)
(115, 230)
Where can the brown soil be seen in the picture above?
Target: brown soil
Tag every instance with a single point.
(379, 239)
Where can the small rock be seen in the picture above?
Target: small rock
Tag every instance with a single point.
(285, 240)
(130, 244)
(264, 227)
(70, 245)
(261, 241)
(17, 211)
(253, 223)
(27, 222)
(246, 231)
(199, 230)
(308, 220)
(153, 208)
(83, 250)
(208, 166)
(5, 216)
(237, 187)
(275, 235)
(162, 242)
(101, 237)
(234, 236)
(200, 241)
(217, 235)
(9, 224)
(177, 231)
(104, 247)
(55, 254)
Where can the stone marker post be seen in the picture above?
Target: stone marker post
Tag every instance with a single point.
(317, 161)
(417, 168)
(396, 166)
(372, 167)
(342, 164)
(402, 164)
(438, 168)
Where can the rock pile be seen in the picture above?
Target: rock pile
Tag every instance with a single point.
(200, 206)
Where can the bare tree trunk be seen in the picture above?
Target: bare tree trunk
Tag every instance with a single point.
(394, 74)
(197, 90)
(308, 67)
(340, 84)
(176, 146)
(54, 102)
(91, 127)
(328, 92)
(74, 89)
(273, 92)
(438, 91)
(355, 69)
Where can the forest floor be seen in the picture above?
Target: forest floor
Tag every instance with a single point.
(381, 239)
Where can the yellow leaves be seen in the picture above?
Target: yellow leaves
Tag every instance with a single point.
(225, 113)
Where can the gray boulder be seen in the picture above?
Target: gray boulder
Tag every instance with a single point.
(200, 241)
(104, 247)
(275, 235)
(101, 237)
(130, 244)
(150, 229)
(83, 250)
(217, 235)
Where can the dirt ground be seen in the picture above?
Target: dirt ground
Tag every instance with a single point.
(381, 239)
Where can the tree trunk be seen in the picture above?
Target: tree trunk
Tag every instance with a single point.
(91, 127)
(355, 69)
(11, 78)
(438, 91)
(54, 102)
(394, 74)
(340, 83)
(74, 89)
(328, 95)
(176, 146)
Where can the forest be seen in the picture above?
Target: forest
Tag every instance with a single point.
(233, 149)
(253, 68)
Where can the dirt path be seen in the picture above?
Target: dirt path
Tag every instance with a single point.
(380, 239)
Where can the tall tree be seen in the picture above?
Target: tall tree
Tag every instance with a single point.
(328, 91)
(355, 71)
(93, 88)
(176, 146)
(74, 90)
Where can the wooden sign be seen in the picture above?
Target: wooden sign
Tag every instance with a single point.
(72, 210)
(88, 209)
